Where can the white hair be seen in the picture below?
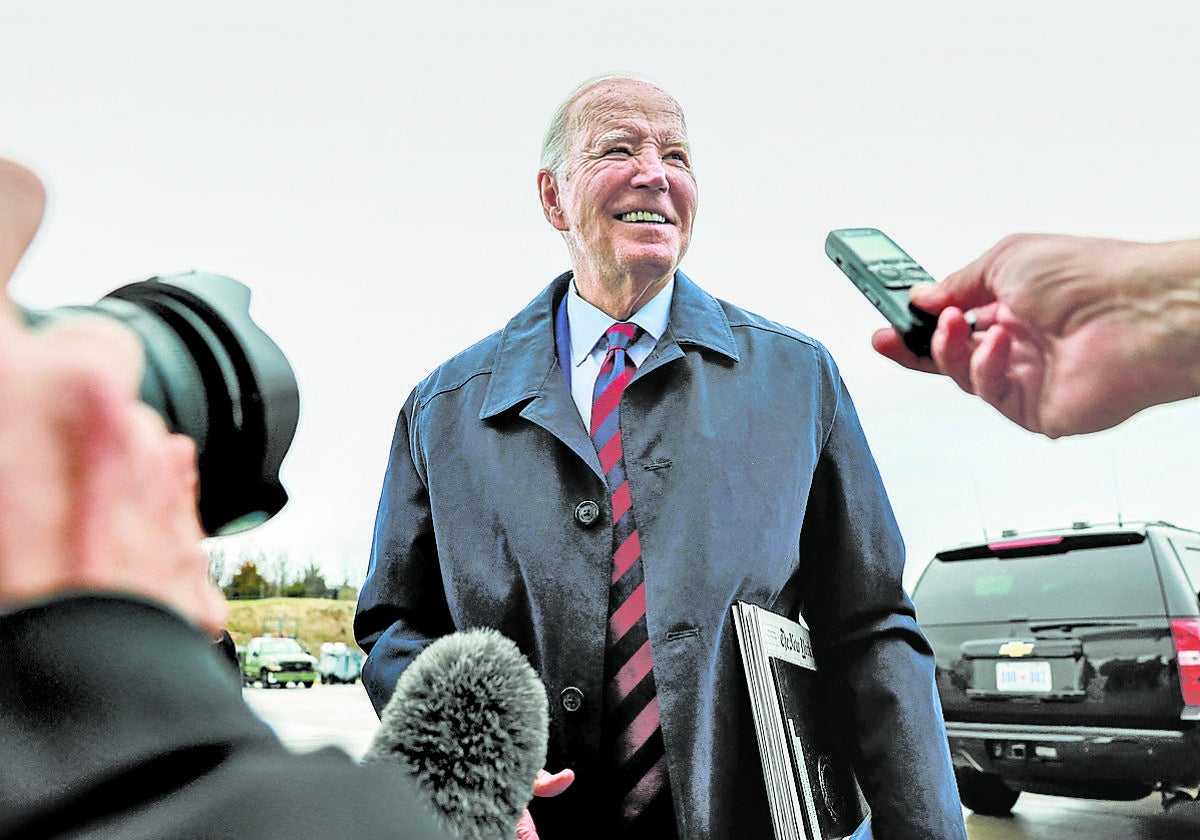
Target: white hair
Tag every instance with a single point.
(555, 144)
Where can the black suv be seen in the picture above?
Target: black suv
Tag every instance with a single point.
(1068, 662)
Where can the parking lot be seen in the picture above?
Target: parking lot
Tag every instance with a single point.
(324, 715)
(1043, 817)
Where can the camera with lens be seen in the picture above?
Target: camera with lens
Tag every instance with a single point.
(216, 377)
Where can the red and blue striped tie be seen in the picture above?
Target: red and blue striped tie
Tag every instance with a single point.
(631, 701)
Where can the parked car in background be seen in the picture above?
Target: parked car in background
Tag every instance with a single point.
(339, 663)
(275, 661)
(1068, 662)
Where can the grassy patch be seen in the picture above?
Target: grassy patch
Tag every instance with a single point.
(312, 621)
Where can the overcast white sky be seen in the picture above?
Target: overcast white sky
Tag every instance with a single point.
(368, 168)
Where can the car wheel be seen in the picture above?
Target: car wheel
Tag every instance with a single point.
(307, 684)
(264, 679)
(985, 793)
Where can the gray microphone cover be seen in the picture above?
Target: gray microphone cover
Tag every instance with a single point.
(469, 719)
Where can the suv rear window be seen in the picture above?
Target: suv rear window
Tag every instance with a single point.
(1118, 581)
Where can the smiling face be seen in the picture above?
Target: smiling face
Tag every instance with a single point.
(625, 196)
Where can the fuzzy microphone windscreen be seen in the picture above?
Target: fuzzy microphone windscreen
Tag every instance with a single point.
(469, 719)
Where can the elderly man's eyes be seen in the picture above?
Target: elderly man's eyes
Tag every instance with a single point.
(624, 151)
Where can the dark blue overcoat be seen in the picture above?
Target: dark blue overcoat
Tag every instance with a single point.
(751, 479)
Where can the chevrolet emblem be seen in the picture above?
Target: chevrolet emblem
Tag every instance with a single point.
(1016, 649)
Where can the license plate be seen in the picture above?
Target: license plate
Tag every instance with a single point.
(1023, 676)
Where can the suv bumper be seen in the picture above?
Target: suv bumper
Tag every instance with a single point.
(1077, 753)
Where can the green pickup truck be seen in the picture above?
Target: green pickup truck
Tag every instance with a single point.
(275, 661)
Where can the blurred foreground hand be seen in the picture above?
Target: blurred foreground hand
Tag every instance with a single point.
(95, 493)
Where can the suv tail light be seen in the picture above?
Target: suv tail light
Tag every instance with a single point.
(1187, 656)
(1026, 542)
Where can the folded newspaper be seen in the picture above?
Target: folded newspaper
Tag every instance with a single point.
(811, 786)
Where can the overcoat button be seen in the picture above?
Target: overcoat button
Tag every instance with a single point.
(571, 698)
(587, 513)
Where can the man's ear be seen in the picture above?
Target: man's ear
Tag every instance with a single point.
(551, 199)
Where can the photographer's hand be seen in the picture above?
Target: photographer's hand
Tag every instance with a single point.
(95, 493)
(1072, 335)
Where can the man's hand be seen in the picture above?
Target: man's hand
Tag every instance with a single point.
(95, 493)
(1071, 335)
(545, 784)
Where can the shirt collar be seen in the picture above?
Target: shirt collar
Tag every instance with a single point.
(589, 324)
(526, 351)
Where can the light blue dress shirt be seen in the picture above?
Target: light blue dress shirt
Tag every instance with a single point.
(588, 326)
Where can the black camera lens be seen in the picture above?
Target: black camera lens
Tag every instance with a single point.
(216, 377)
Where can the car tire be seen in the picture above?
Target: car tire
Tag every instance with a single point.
(985, 793)
(306, 684)
(263, 678)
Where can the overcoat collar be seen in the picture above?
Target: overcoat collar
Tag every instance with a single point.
(526, 364)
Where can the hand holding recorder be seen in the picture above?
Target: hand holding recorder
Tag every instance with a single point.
(1065, 335)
